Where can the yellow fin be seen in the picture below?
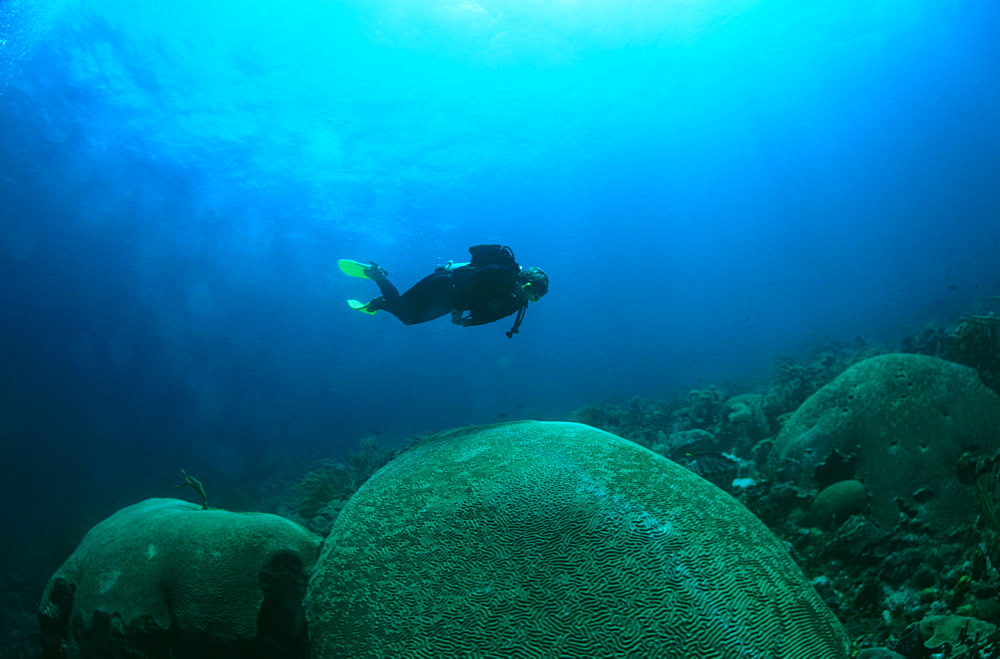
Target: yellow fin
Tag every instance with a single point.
(354, 268)
(361, 306)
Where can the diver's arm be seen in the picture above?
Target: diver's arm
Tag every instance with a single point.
(471, 319)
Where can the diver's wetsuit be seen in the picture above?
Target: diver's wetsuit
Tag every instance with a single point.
(487, 293)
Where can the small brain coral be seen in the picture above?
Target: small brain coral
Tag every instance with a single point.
(164, 578)
(539, 539)
(899, 424)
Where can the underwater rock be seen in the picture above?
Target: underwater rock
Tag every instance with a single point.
(900, 423)
(556, 539)
(165, 578)
(837, 502)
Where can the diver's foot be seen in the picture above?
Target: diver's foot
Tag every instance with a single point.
(376, 272)
(369, 308)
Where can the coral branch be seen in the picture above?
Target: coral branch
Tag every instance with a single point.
(194, 483)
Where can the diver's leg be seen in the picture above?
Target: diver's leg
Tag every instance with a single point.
(390, 294)
(378, 275)
(429, 298)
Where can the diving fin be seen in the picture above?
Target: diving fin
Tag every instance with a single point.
(354, 268)
(361, 270)
(357, 305)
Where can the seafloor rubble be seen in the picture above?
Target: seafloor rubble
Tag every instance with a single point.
(878, 467)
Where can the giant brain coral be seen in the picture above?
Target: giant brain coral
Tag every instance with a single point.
(556, 539)
(898, 423)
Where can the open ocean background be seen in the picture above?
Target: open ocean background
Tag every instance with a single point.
(710, 185)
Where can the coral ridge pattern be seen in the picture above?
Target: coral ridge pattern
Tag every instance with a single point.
(556, 539)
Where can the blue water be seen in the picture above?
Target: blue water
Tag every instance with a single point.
(709, 185)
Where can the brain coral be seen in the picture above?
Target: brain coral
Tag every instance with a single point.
(165, 578)
(897, 423)
(535, 539)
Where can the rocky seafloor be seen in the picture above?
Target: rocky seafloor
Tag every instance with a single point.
(877, 466)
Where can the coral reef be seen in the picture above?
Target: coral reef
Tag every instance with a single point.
(880, 581)
(707, 432)
(974, 341)
(710, 427)
(792, 383)
(321, 493)
(984, 474)
(903, 581)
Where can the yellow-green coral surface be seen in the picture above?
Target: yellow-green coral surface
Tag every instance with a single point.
(163, 572)
(539, 539)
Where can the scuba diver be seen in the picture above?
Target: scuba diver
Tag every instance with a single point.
(489, 287)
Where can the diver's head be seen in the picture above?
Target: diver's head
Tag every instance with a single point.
(532, 284)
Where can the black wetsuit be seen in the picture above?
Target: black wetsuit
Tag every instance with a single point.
(483, 293)
(484, 290)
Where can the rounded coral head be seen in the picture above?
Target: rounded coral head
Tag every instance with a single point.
(556, 540)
